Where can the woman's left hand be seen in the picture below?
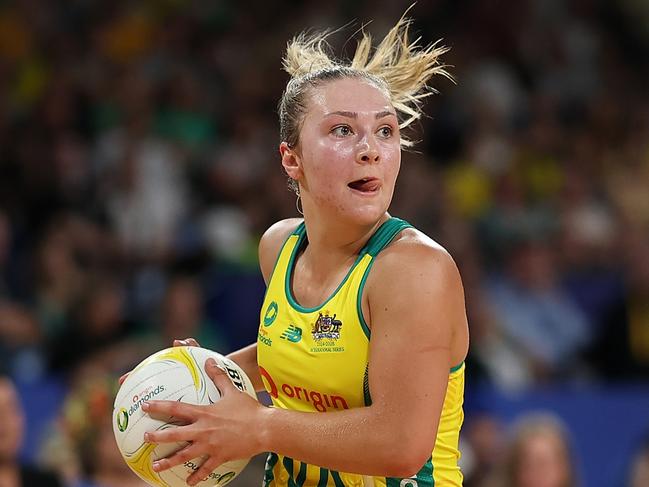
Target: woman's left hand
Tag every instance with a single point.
(224, 431)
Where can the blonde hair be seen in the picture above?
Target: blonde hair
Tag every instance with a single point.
(529, 426)
(398, 66)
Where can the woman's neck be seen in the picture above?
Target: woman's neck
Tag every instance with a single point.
(334, 244)
(332, 232)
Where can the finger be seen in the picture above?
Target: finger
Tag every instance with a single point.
(218, 376)
(176, 409)
(181, 456)
(123, 378)
(208, 466)
(186, 342)
(169, 435)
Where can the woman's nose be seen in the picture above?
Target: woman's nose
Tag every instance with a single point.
(367, 153)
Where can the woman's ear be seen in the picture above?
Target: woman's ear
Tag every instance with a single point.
(291, 161)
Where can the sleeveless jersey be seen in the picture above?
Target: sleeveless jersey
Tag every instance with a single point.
(316, 360)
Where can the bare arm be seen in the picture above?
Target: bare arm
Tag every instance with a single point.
(416, 302)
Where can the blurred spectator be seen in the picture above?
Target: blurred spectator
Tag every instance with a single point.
(589, 276)
(482, 450)
(5, 248)
(639, 472)
(538, 455)
(494, 357)
(623, 347)
(22, 347)
(182, 315)
(546, 329)
(12, 424)
(83, 445)
(99, 330)
(148, 197)
(59, 281)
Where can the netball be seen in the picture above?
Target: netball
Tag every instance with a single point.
(172, 374)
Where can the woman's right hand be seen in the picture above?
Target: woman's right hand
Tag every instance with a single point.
(186, 342)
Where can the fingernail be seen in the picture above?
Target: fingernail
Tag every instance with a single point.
(145, 406)
(156, 466)
(147, 437)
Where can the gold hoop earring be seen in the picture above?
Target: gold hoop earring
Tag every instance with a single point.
(297, 205)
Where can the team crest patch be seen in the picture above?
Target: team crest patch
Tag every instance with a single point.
(326, 333)
(326, 327)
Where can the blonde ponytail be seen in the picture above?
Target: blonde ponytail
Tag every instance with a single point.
(397, 65)
(403, 65)
(306, 55)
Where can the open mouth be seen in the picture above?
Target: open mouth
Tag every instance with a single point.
(365, 185)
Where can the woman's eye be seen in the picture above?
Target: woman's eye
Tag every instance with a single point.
(385, 132)
(341, 131)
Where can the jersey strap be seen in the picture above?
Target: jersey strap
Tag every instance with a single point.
(384, 235)
(377, 242)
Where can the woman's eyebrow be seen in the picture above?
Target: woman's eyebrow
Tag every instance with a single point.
(385, 113)
(343, 113)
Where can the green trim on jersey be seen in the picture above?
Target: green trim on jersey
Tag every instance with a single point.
(377, 242)
(288, 465)
(301, 475)
(457, 367)
(384, 235)
(300, 231)
(337, 480)
(424, 478)
(359, 301)
(324, 477)
(271, 461)
(366, 387)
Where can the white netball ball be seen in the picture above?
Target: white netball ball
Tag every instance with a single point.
(173, 374)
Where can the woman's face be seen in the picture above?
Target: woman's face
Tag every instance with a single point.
(543, 462)
(348, 155)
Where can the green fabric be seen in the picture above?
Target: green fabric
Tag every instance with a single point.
(271, 461)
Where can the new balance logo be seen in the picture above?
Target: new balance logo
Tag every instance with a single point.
(292, 334)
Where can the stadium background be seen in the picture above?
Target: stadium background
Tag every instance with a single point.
(139, 165)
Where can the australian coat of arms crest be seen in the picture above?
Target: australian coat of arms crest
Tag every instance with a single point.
(326, 327)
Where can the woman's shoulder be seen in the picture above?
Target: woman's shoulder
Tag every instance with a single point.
(421, 280)
(413, 241)
(414, 251)
(271, 243)
(279, 231)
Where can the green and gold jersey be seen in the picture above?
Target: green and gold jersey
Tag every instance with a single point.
(316, 360)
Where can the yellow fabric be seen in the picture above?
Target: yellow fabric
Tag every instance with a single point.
(315, 360)
(446, 471)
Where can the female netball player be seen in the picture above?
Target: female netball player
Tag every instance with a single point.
(363, 332)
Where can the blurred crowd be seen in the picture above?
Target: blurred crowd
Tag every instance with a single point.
(139, 166)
